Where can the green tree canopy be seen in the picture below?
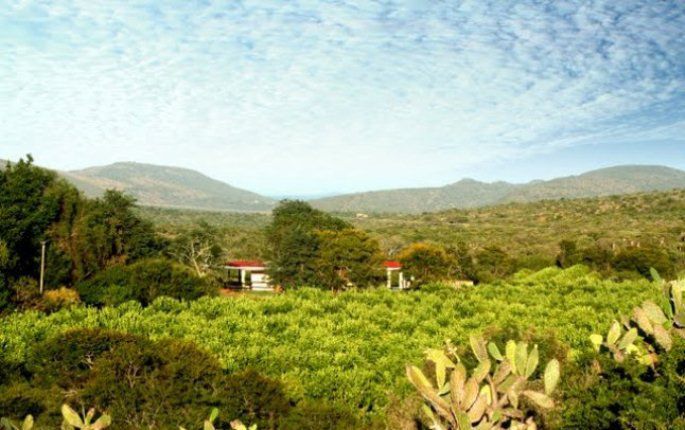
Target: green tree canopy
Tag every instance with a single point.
(29, 203)
(425, 262)
(348, 258)
(294, 242)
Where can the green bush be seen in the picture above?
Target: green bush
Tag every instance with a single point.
(147, 384)
(625, 395)
(321, 415)
(143, 282)
(350, 348)
(65, 360)
(139, 382)
(254, 398)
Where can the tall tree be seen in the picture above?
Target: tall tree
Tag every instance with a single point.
(29, 204)
(348, 258)
(294, 244)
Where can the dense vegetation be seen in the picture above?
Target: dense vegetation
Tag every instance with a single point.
(100, 247)
(349, 350)
(619, 236)
(127, 324)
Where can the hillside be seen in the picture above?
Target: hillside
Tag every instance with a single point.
(167, 187)
(469, 193)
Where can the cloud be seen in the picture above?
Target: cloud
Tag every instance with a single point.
(309, 96)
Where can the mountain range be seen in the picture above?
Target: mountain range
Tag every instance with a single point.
(469, 193)
(166, 186)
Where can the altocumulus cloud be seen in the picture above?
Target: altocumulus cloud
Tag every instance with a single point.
(335, 95)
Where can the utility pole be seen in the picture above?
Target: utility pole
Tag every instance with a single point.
(42, 265)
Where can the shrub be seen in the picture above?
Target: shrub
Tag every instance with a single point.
(321, 415)
(162, 384)
(57, 299)
(65, 360)
(625, 395)
(492, 263)
(26, 292)
(141, 383)
(143, 282)
(254, 398)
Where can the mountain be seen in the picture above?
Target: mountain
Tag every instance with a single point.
(166, 186)
(469, 193)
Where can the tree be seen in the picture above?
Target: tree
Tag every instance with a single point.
(425, 262)
(492, 262)
(99, 233)
(294, 244)
(568, 254)
(4, 288)
(29, 203)
(197, 248)
(347, 258)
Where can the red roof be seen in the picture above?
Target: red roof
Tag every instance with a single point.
(392, 264)
(246, 263)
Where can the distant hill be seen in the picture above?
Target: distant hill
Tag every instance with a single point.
(469, 193)
(166, 186)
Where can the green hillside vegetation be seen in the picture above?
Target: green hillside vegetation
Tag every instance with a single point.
(515, 235)
(346, 352)
(166, 186)
(130, 322)
(469, 193)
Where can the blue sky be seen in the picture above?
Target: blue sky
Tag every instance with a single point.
(305, 97)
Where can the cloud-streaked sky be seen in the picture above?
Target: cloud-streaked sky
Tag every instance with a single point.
(310, 96)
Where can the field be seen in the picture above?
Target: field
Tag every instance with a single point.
(351, 348)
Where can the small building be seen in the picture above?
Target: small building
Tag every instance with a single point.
(251, 274)
(395, 277)
(247, 274)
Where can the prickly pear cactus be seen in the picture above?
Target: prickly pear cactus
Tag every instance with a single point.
(488, 396)
(72, 420)
(27, 424)
(650, 329)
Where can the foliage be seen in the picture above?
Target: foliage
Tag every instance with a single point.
(57, 299)
(350, 348)
(82, 236)
(527, 235)
(255, 398)
(321, 415)
(297, 251)
(601, 393)
(425, 262)
(347, 258)
(102, 233)
(641, 382)
(197, 248)
(143, 281)
(139, 382)
(25, 292)
(490, 397)
(65, 360)
(30, 200)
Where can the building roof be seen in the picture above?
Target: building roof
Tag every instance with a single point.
(392, 264)
(246, 263)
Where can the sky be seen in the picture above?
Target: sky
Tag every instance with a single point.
(314, 97)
